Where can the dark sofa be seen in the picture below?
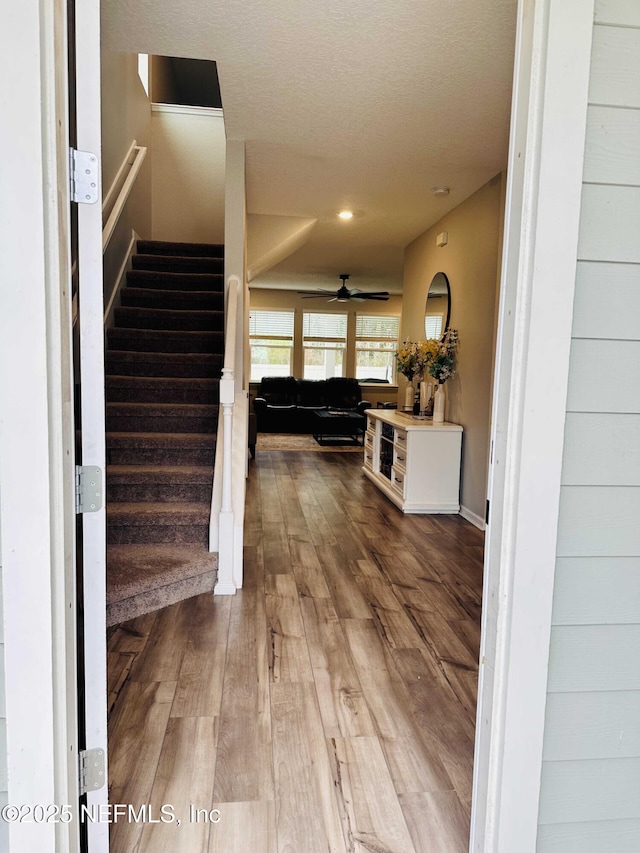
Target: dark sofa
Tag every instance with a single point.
(287, 404)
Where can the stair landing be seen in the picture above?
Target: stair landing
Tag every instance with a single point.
(142, 578)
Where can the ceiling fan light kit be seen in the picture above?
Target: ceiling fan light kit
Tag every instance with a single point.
(344, 294)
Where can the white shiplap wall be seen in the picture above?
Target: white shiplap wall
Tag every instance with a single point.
(590, 787)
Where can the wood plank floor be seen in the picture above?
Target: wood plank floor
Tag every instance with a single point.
(329, 705)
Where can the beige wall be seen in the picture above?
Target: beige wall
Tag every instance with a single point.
(471, 262)
(163, 90)
(289, 300)
(188, 176)
(126, 115)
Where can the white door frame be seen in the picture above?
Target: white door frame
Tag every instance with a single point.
(543, 200)
(92, 401)
(544, 191)
(37, 511)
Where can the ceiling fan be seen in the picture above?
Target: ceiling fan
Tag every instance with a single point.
(343, 294)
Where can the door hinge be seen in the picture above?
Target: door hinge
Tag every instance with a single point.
(486, 514)
(83, 176)
(88, 488)
(91, 770)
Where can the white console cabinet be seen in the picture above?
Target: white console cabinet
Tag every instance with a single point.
(415, 462)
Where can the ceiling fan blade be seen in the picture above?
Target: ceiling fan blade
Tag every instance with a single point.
(380, 296)
(318, 292)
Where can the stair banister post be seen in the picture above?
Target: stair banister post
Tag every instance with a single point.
(226, 529)
(227, 397)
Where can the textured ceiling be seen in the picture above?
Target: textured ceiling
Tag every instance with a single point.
(358, 104)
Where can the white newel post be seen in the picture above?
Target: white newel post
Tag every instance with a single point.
(225, 584)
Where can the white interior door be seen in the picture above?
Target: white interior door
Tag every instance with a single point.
(90, 370)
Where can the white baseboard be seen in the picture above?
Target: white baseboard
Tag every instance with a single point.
(114, 300)
(476, 520)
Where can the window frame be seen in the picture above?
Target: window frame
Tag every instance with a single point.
(273, 337)
(326, 339)
(357, 338)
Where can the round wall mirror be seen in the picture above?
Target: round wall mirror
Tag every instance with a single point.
(438, 308)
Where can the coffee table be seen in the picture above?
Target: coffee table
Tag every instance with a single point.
(335, 427)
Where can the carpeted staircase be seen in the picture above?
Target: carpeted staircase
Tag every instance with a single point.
(163, 363)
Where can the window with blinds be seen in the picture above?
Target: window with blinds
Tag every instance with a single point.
(433, 326)
(271, 341)
(376, 346)
(324, 341)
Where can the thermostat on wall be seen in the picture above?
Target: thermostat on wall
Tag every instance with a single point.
(442, 239)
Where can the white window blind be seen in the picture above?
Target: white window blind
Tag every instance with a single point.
(271, 324)
(324, 344)
(375, 328)
(271, 341)
(324, 327)
(376, 345)
(433, 326)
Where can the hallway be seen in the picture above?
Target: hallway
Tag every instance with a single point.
(328, 706)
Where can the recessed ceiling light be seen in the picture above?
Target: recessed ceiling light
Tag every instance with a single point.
(345, 214)
(440, 190)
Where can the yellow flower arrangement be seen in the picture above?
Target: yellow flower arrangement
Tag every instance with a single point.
(414, 357)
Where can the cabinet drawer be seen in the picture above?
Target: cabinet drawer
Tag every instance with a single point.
(400, 439)
(397, 480)
(400, 457)
(368, 458)
(368, 440)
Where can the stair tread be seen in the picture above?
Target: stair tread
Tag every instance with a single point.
(155, 473)
(177, 263)
(175, 256)
(204, 282)
(172, 341)
(163, 312)
(129, 331)
(136, 569)
(167, 439)
(166, 381)
(186, 409)
(144, 555)
(169, 276)
(141, 513)
(164, 332)
(177, 300)
(168, 357)
(187, 249)
(159, 292)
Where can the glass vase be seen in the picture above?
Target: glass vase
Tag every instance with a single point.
(426, 404)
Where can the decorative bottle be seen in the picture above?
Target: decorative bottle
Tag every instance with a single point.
(438, 405)
(425, 395)
(408, 396)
